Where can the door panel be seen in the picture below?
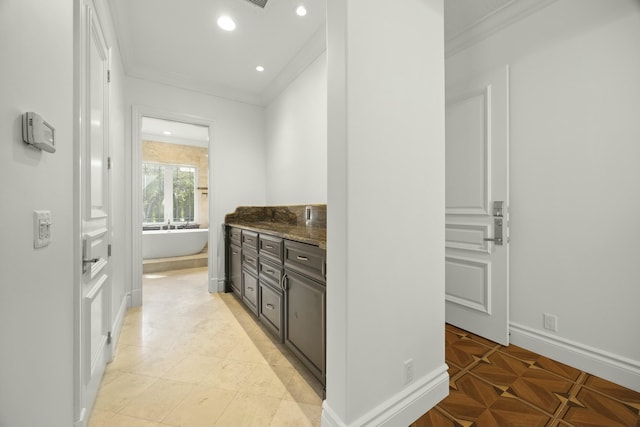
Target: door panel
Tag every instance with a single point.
(95, 319)
(477, 172)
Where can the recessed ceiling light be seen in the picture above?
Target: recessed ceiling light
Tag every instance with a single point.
(166, 132)
(301, 10)
(226, 23)
(260, 68)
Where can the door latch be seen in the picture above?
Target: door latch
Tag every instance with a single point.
(498, 215)
(497, 232)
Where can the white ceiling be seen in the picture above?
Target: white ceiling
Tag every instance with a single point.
(177, 42)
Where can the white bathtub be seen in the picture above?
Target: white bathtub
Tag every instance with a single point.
(172, 243)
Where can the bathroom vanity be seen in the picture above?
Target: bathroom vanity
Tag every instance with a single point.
(276, 265)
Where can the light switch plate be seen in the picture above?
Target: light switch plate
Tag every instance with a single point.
(41, 228)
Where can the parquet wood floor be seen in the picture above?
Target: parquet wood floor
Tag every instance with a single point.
(493, 385)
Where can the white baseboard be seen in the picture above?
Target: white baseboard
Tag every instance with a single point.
(604, 364)
(216, 284)
(401, 409)
(136, 298)
(119, 321)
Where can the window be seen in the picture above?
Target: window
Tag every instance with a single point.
(168, 193)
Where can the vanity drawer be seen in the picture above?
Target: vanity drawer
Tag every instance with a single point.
(250, 261)
(270, 246)
(250, 239)
(270, 271)
(271, 309)
(306, 259)
(250, 291)
(235, 235)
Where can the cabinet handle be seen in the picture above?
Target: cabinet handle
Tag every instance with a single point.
(234, 252)
(270, 271)
(250, 288)
(303, 258)
(270, 306)
(283, 285)
(268, 246)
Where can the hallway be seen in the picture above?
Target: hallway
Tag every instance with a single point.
(190, 358)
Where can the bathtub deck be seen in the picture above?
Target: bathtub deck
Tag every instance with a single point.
(175, 263)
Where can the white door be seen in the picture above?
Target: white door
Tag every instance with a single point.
(477, 180)
(95, 348)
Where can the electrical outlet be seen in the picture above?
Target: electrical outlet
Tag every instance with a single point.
(550, 322)
(408, 371)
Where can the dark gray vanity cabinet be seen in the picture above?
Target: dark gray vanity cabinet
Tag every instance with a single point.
(284, 283)
(304, 286)
(234, 262)
(305, 309)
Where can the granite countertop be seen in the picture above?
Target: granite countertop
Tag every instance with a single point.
(288, 222)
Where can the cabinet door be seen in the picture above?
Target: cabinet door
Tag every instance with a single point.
(271, 309)
(235, 269)
(305, 321)
(250, 291)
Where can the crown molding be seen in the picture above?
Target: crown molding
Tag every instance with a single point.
(185, 82)
(497, 20)
(316, 45)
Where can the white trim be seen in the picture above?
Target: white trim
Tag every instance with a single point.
(116, 327)
(136, 297)
(79, 409)
(137, 112)
(612, 367)
(401, 409)
(508, 14)
(82, 418)
(220, 284)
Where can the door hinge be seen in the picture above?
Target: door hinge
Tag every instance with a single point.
(108, 76)
(109, 249)
(109, 337)
(109, 163)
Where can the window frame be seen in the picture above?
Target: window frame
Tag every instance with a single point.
(169, 192)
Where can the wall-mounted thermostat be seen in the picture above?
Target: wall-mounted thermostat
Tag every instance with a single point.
(37, 132)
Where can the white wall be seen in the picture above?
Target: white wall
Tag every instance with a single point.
(575, 179)
(237, 151)
(385, 301)
(296, 138)
(36, 285)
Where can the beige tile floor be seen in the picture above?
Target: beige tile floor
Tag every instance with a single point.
(190, 358)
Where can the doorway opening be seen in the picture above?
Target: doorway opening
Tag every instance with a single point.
(175, 208)
(171, 199)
